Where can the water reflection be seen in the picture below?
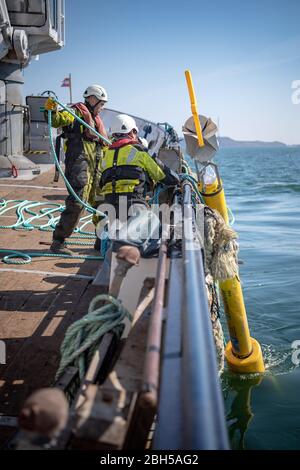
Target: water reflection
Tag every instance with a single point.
(237, 390)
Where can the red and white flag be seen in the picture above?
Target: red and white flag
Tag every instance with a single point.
(66, 82)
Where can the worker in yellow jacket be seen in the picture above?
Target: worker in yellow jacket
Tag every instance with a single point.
(127, 168)
(83, 151)
(128, 171)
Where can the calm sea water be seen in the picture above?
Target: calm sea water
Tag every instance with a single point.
(263, 190)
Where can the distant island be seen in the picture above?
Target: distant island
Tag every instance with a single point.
(228, 142)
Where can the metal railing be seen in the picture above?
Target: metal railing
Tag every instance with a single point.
(191, 411)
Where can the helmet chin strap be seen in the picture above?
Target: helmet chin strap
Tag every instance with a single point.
(92, 107)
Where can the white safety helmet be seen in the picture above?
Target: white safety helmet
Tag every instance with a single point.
(97, 91)
(123, 124)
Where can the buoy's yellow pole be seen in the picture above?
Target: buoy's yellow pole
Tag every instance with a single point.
(194, 107)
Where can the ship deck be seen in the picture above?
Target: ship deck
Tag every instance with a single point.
(38, 301)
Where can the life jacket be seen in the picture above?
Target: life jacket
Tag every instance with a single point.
(123, 172)
(121, 142)
(93, 121)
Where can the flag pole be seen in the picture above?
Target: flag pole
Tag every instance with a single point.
(70, 88)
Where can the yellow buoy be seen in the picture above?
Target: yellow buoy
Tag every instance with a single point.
(243, 353)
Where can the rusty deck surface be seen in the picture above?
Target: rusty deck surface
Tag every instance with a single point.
(38, 301)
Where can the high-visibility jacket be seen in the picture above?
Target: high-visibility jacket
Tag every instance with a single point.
(82, 149)
(126, 168)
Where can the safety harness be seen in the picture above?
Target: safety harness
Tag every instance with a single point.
(124, 172)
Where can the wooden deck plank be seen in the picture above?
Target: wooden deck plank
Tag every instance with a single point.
(35, 362)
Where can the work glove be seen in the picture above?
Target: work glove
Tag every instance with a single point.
(50, 105)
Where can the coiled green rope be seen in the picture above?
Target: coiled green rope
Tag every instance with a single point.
(23, 208)
(18, 257)
(83, 337)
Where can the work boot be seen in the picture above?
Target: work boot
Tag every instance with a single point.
(59, 248)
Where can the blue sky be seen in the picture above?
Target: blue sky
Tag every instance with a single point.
(243, 57)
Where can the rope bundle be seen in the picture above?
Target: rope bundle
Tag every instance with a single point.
(28, 213)
(83, 337)
(221, 247)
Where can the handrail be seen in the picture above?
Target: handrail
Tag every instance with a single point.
(204, 425)
(191, 410)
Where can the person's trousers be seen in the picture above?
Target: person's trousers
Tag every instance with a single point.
(68, 219)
